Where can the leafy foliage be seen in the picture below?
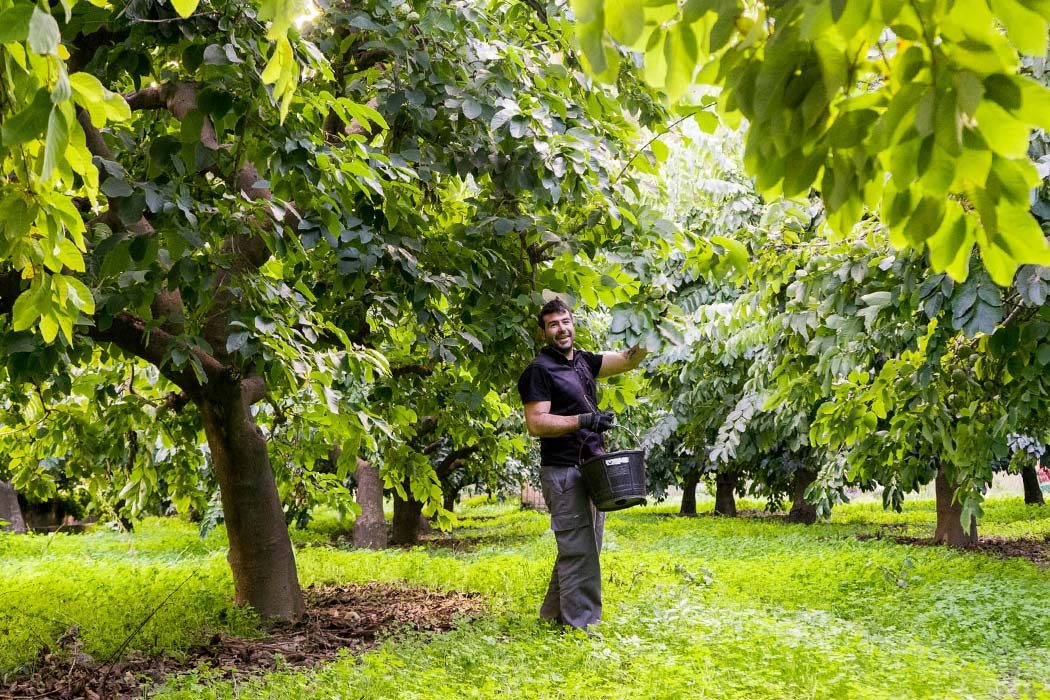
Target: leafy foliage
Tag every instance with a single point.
(914, 110)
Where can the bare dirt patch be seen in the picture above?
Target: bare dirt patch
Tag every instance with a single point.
(350, 617)
(1035, 551)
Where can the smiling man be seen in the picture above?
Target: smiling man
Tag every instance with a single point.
(559, 391)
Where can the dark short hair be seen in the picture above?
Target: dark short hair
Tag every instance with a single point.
(554, 306)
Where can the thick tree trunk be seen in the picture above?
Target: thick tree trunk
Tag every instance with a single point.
(370, 526)
(801, 510)
(9, 509)
(725, 493)
(949, 511)
(1033, 495)
(407, 516)
(689, 495)
(260, 555)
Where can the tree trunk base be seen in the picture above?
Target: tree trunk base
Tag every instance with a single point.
(370, 527)
(1033, 495)
(802, 511)
(725, 494)
(407, 519)
(10, 510)
(688, 506)
(260, 554)
(949, 516)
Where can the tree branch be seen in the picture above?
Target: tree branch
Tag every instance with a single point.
(179, 98)
(131, 335)
(451, 460)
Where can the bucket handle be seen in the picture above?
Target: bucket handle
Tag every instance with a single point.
(616, 426)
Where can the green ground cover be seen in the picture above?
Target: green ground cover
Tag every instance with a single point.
(700, 607)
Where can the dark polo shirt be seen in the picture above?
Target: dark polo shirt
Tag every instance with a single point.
(571, 388)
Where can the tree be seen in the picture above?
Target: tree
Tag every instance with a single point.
(263, 222)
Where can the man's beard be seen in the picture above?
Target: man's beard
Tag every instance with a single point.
(555, 343)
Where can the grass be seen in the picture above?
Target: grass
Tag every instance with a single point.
(700, 607)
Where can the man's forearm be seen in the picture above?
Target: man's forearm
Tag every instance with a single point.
(551, 425)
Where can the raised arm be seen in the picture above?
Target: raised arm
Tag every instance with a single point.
(620, 362)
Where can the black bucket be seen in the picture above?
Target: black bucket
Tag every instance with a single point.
(616, 480)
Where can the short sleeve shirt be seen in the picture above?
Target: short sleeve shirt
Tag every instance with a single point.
(571, 388)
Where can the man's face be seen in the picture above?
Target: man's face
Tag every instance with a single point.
(559, 331)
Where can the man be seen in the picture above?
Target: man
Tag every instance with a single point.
(559, 391)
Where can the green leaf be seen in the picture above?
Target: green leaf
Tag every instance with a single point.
(79, 292)
(14, 22)
(1043, 355)
(1018, 240)
(282, 71)
(43, 33)
(591, 36)
(586, 10)
(472, 340)
(67, 253)
(1035, 102)
(101, 104)
(471, 109)
(680, 50)
(49, 328)
(236, 341)
(1026, 28)
(1005, 134)
(281, 14)
(950, 246)
(114, 186)
(878, 299)
(25, 312)
(185, 8)
(29, 123)
(625, 20)
(735, 251)
(55, 146)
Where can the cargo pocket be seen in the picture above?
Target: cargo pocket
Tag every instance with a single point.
(566, 498)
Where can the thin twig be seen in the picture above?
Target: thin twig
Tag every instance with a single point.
(120, 650)
(647, 143)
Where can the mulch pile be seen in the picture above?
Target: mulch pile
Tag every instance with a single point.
(1035, 551)
(350, 617)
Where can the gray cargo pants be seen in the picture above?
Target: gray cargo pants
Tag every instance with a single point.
(574, 595)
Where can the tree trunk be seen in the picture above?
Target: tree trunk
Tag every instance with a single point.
(949, 511)
(689, 495)
(1033, 495)
(9, 509)
(370, 526)
(260, 554)
(407, 514)
(449, 500)
(801, 510)
(725, 493)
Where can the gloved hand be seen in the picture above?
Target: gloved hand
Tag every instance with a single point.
(598, 422)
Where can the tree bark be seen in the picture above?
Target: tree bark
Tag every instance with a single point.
(801, 510)
(449, 500)
(689, 495)
(725, 493)
(370, 526)
(949, 511)
(1033, 495)
(260, 554)
(407, 514)
(10, 510)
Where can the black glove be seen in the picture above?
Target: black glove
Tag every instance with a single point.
(598, 422)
